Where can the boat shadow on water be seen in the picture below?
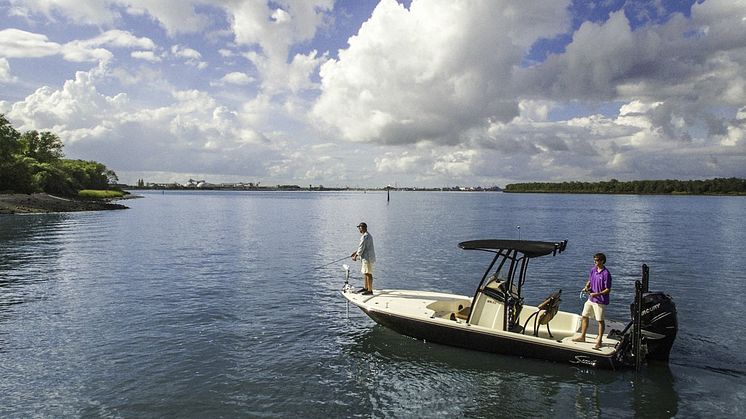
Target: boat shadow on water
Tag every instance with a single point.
(529, 385)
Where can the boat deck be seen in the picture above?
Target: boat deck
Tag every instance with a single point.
(452, 311)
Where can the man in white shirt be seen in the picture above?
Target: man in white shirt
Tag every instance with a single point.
(367, 255)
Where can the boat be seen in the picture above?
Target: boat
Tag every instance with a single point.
(496, 319)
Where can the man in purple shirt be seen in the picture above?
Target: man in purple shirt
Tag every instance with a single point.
(598, 288)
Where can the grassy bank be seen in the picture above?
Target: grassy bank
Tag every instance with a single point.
(100, 194)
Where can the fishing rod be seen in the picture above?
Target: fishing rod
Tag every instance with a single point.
(324, 266)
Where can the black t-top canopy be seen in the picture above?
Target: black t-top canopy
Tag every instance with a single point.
(529, 248)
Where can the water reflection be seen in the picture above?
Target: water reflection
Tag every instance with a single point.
(27, 243)
(22, 236)
(655, 392)
(191, 304)
(437, 379)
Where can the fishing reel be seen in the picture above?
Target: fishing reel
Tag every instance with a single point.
(583, 294)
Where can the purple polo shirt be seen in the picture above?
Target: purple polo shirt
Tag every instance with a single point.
(599, 282)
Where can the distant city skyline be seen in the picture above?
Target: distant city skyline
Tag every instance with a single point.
(368, 93)
(206, 184)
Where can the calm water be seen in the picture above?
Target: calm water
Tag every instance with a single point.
(202, 305)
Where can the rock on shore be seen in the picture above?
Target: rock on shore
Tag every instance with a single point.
(41, 203)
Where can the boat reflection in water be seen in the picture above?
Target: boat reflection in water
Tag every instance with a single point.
(401, 373)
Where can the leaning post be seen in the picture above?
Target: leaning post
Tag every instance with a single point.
(637, 331)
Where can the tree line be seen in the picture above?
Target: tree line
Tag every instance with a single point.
(717, 186)
(33, 162)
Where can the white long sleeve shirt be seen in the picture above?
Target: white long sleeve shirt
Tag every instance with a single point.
(365, 249)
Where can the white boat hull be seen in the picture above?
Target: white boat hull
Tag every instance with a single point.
(435, 317)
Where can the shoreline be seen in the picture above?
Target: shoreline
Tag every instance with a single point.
(40, 203)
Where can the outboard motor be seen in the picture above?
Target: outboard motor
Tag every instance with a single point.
(658, 324)
(652, 331)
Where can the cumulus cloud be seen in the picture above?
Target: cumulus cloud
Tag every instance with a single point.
(690, 67)
(79, 52)
(234, 78)
(609, 60)
(191, 131)
(185, 52)
(456, 164)
(454, 76)
(120, 39)
(626, 145)
(279, 76)
(145, 55)
(226, 53)
(441, 91)
(404, 162)
(432, 71)
(427, 164)
(191, 56)
(15, 43)
(74, 109)
(309, 167)
(274, 28)
(5, 74)
(276, 25)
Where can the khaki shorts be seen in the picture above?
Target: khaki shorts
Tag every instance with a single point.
(367, 267)
(595, 308)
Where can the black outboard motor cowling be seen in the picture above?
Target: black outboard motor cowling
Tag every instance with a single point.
(651, 332)
(659, 324)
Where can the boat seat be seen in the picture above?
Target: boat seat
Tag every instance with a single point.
(463, 312)
(545, 313)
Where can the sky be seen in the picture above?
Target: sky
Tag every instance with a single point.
(421, 93)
